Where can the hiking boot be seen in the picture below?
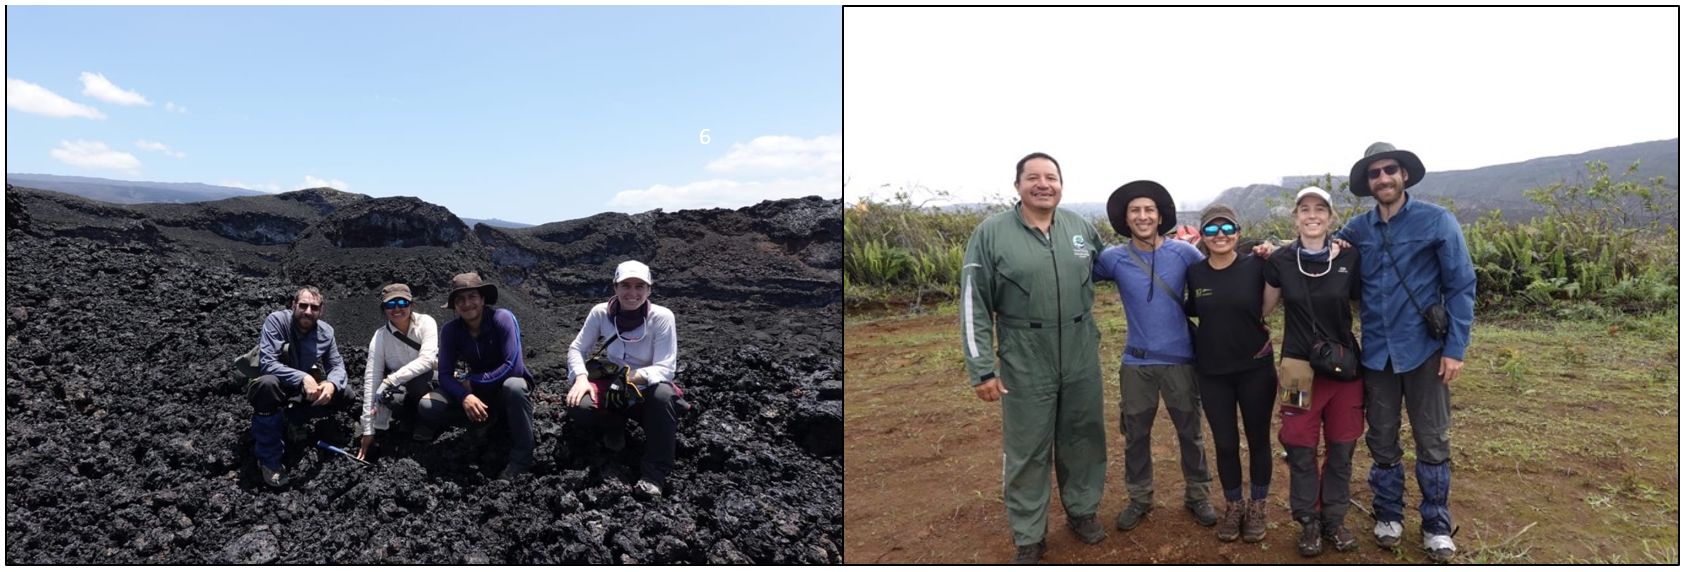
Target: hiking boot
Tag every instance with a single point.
(1340, 538)
(1132, 515)
(646, 489)
(511, 472)
(1387, 534)
(1030, 553)
(1252, 527)
(1203, 512)
(1229, 529)
(1440, 547)
(424, 434)
(614, 439)
(1087, 528)
(1310, 537)
(275, 478)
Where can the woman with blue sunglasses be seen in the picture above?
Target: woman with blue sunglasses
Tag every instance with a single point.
(1234, 359)
(402, 357)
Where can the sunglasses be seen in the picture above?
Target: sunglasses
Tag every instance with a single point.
(394, 304)
(1227, 228)
(309, 307)
(1389, 169)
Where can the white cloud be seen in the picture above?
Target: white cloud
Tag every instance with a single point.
(722, 193)
(96, 86)
(30, 98)
(312, 181)
(766, 168)
(171, 107)
(159, 147)
(94, 155)
(264, 187)
(782, 154)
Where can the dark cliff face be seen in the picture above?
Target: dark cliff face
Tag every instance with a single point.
(126, 443)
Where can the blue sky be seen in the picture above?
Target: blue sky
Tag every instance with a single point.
(531, 114)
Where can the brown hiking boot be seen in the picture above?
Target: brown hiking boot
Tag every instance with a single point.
(1252, 527)
(1228, 529)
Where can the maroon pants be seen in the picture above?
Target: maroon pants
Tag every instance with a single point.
(1336, 409)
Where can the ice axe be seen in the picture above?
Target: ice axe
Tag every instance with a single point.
(325, 446)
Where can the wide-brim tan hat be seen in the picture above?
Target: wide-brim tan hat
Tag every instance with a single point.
(471, 281)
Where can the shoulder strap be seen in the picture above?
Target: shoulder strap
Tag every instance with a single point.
(414, 345)
(1386, 245)
(1148, 269)
(1310, 310)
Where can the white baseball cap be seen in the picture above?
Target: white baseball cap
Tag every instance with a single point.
(1314, 191)
(635, 269)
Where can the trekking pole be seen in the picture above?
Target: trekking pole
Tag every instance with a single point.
(325, 446)
(1365, 510)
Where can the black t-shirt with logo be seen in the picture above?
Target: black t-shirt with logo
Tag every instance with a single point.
(1330, 295)
(1229, 304)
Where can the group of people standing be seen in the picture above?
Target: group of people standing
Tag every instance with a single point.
(472, 370)
(1030, 342)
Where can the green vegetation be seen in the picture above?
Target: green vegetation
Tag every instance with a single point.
(1591, 257)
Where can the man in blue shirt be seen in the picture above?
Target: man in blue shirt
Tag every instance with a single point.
(1158, 357)
(495, 383)
(1414, 258)
(292, 344)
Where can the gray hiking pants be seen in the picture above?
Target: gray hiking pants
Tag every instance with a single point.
(509, 401)
(1428, 402)
(1141, 388)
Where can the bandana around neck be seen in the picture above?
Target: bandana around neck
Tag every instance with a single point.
(627, 320)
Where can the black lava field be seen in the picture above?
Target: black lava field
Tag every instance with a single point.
(128, 442)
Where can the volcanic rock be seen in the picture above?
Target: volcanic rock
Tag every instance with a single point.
(126, 441)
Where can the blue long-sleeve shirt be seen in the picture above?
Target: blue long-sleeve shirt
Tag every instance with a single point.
(492, 357)
(1158, 324)
(304, 350)
(1434, 261)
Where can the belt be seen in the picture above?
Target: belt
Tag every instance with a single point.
(1143, 353)
(1016, 322)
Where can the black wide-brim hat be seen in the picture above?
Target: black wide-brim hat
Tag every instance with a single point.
(1360, 169)
(1117, 207)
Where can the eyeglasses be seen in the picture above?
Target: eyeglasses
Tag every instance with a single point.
(393, 304)
(309, 307)
(1227, 228)
(1389, 169)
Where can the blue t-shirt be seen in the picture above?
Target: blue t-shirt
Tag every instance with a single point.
(1158, 326)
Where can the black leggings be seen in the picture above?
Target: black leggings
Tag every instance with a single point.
(1253, 391)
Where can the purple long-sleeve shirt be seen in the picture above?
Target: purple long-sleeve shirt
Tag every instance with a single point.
(492, 357)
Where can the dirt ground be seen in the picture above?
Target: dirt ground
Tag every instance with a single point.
(1560, 455)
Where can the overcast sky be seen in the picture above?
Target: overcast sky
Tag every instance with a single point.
(1206, 99)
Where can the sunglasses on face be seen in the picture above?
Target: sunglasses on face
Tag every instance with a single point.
(309, 307)
(394, 304)
(1389, 169)
(1227, 228)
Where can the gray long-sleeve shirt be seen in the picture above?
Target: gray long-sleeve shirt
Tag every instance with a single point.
(305, 349)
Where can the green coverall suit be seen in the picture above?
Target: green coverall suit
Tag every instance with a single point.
(1036, 293)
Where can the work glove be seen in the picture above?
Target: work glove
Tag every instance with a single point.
(393, 395)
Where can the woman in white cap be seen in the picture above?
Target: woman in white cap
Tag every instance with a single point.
(1317, 284)
(402, 356)
(640, 337)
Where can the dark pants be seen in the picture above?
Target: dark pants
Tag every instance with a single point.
(269, 398)
(1138, 406)
(509, 401)
(660, 417)
(1336, 417)
(1253, 393)
(1427, 399)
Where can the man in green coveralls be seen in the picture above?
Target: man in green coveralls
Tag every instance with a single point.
(1027, 280)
